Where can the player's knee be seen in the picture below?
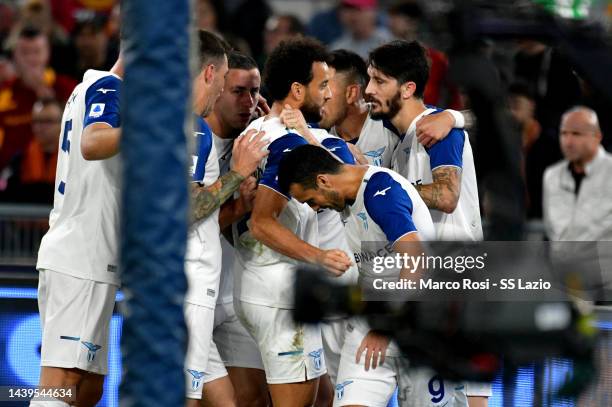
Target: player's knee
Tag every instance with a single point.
(61, 377)
(252, 396)
(90, 391)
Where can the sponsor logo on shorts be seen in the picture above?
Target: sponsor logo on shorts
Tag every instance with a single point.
(340, 388)
(111, 268)
(316, 358)
(210, 292)
(92, 348)
(197, 378)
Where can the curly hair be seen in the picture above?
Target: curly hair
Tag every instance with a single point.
(291, 61)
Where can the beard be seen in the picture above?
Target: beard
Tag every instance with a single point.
(311, 111)
(335, 201)
(393, 106)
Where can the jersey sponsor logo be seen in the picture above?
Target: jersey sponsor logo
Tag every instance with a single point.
(382, 192)
(197, 378)
(105, 91)
(340, 388)
(316, 358)
(97, 109)
(364, 219)
(92, 348)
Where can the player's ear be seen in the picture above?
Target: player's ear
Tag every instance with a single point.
(209, 73)
(352, 93)
(323, 181)
(298, 91)
(407, 89)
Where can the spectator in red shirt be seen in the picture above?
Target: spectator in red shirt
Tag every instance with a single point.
(31, 176)
(34, 80)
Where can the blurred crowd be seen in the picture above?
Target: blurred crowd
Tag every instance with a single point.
(47, 45)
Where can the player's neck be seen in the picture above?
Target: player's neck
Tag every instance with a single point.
(117, 69)
(351, 179)
(278, 106)
(218, 127)
(408, 112)
(350, 127)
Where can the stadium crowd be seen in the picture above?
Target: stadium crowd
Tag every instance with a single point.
(47, 45)
(372, 86)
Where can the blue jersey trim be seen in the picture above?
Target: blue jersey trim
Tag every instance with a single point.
(102, 102)
(389, 205)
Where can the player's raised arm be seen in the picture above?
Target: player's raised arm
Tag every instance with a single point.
(432, 128)
(247, 153)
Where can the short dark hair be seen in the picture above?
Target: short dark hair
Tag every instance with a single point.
(211, 48)
(303, 164)
(29, 32)
(237, 60)
(351, 64)
(405, 61)
(406, 8)
(291, 61)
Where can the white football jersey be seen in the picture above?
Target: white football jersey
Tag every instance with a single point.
(226, 284)
(83, 238)
(377, 141)
(415, 162)
(203, 255)
(261, 275)
(331, 227)
(387, 207)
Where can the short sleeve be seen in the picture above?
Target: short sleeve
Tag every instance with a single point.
(389, 205)
(102, 102)
(204, 142)
(448, 151)
(277, 149)
(339, 148)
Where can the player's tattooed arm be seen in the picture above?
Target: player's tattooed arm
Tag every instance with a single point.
(205, 200)
(248, 151)
(443, 193)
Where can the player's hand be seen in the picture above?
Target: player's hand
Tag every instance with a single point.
(357, 154)
(375, 345)
(293, 119)
(335, 261)
(434, 127)
(247, 190)
(248, 151)
(262, 107)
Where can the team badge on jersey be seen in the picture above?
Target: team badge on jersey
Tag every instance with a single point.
(97, 109)
(197, 378)
(364, 219)
(340, 389)
(376, 156)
